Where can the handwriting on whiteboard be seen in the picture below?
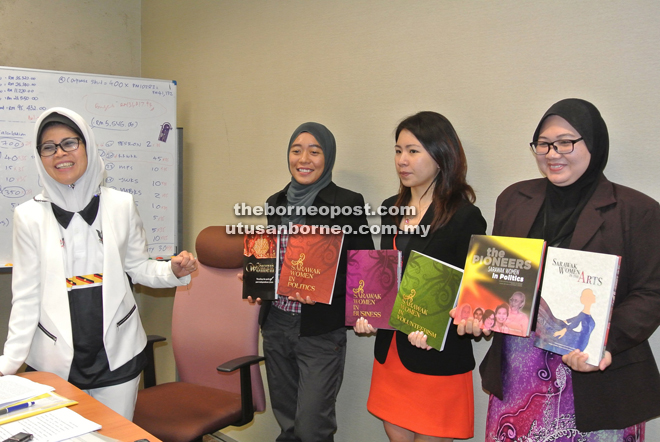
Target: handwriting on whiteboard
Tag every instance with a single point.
(128, 116)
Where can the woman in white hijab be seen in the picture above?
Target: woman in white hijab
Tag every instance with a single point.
(73, 310)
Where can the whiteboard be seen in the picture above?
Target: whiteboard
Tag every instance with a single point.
(133, 120)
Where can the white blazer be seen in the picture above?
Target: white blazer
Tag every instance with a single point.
(40, 322)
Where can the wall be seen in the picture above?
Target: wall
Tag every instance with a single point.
(250, 72)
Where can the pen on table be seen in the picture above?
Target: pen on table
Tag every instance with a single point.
(16, 407)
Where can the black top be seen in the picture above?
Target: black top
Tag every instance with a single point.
(322, 318)
(449, 244)
(90, 367)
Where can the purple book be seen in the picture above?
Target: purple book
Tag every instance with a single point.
(372, 282)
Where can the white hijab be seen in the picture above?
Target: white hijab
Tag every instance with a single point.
(75, 197)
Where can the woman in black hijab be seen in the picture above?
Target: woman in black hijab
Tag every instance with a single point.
(304, 342)
(538, 395)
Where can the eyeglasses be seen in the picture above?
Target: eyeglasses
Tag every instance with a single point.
(560, 146)
(67, 145)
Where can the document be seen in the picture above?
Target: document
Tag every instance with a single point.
(15, 389)
(54, 426)
(41, 404)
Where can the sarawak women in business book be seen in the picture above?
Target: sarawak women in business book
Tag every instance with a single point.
(372, 282)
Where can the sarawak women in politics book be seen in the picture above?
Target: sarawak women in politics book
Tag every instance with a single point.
(577, 295)
(427, 294)
(310, 266)
(372, 281)
(500, 283)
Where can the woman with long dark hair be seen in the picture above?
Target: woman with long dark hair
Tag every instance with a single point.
(422, 394)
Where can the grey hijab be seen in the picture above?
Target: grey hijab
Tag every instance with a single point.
(301, 195)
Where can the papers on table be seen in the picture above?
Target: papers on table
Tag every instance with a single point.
(16, 389)
(54, 426)
(48, 426)
(42, 404)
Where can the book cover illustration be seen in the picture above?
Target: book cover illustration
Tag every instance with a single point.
(310, 266)
(500, 283)
(577, 295)
(427, 293)
(260, 265)
(372, 282)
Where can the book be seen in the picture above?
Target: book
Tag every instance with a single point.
(260, 266)
(427, 293)
(310, 266)
(372, 282)
(500, 283)
(577, 295)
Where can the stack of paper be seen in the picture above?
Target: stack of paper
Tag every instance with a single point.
(15, 389)
(46, 418)
(54, 426)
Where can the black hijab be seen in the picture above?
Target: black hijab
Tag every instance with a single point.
(558, 217)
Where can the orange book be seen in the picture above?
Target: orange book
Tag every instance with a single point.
(310, 266)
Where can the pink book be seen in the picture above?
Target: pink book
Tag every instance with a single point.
(372, 282)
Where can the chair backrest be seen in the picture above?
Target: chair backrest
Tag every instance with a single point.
(211, 324)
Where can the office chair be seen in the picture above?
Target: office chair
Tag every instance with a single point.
(210, 324)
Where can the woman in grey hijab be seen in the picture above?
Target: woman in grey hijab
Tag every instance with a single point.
(304, 342)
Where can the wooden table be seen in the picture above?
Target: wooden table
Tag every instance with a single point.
(113, 424)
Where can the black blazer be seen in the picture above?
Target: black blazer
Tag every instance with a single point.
(619, 221)
(322, 318)
(449, 244)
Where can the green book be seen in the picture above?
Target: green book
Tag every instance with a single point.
(427, 293)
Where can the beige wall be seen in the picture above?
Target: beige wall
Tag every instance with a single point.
(249, 72)
(95, 36)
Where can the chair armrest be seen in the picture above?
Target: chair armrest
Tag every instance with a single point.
(243, 363)
(150, 370)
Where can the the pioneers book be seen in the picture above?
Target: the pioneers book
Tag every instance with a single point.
(372, 281)
(500, 283)
(577, 295)
(310, 266)
(426, 295)
(260, 266)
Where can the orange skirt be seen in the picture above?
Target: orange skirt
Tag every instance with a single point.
(439, 406)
